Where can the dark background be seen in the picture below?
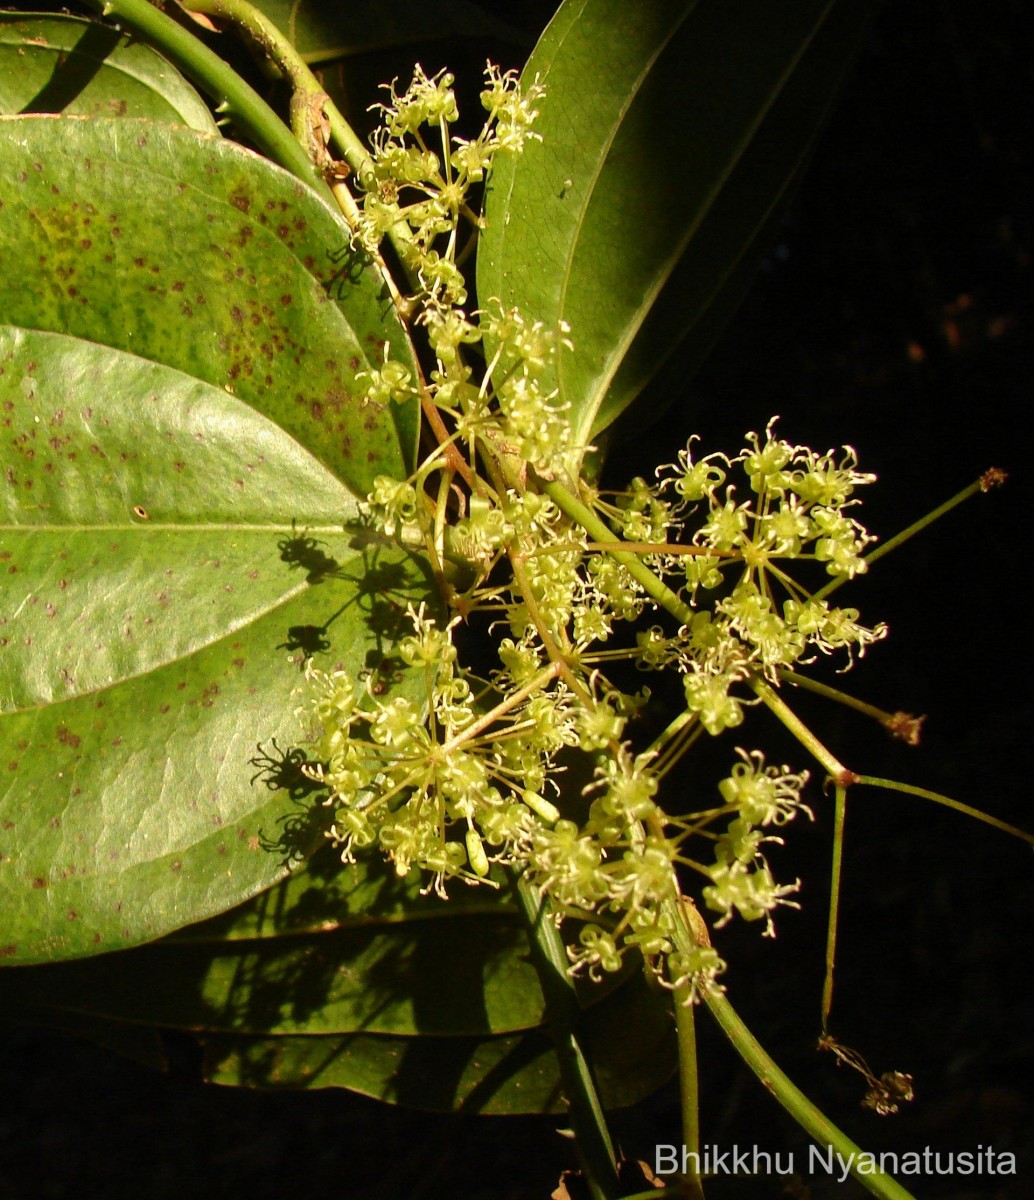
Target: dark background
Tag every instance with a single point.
(894, 314)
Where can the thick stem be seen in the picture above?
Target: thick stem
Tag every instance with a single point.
(825, 1133)
(691, 932)
(689, 1089)
(308, 93)
(586, 1112)
(220, 83)
(309, 104)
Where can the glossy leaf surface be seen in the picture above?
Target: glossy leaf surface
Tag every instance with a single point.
(181, 447)
(61, 64)
(630, 1035)
(322, 31)
(650, 186)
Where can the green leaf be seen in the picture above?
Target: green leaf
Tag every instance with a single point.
(507, 1074)
(236, 291)
(324, 895)
(632, 218)
(458, 976)
(332, 949)
(61, 64)
(321, 31)
(172, 522)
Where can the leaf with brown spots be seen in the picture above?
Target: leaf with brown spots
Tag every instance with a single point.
(174, 544)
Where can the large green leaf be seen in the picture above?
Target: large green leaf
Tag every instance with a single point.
(322, 896)
(172, 539)
(234, 286)
(632, 218)
(61, 64)
(427, 1066)
(329, 950)
(460, 975)
(506, 1074)
(322, 31)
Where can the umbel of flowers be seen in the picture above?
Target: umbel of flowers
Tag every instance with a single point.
(701, 573)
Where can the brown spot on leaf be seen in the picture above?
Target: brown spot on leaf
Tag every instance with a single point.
(39, 882)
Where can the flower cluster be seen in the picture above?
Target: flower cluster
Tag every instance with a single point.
(470, 774)
(418, 178)
(423, 780)
(760, 618)
(741, 879)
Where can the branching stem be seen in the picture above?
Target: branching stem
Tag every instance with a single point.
(841, 775)
(811, 1119)
(597, 528)
(220, 83)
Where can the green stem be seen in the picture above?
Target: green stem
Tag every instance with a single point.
(220, 82)
(306, 88)
(587, 1118)
(899, 539)
(578, 511)
(893, 786)
(832, 693)
(824, 1132)
(308, 100)
(840, 812)
(840, 774)
(689, 1088)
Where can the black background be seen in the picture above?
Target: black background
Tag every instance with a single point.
(894, 314)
